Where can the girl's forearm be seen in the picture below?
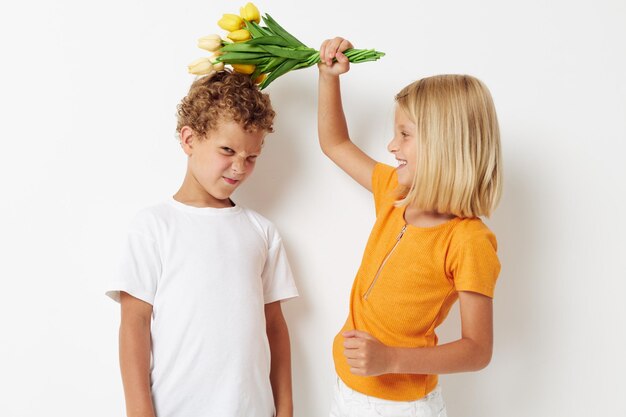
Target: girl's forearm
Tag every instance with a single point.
(463, 355)
(332, 126)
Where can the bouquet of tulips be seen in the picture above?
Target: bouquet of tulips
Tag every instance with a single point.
(263, 52)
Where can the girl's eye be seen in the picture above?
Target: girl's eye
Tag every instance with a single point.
(227, 150)
(252, 158)
(404, 134)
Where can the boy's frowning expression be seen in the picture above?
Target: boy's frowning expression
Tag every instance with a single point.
(221, 161)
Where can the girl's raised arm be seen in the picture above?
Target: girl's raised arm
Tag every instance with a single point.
(331, 122)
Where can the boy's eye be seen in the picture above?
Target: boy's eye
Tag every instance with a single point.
(227, 150)
(252, 158)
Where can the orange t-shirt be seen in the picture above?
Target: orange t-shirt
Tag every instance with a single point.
(408, 279)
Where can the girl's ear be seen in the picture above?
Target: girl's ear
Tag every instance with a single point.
(187, 138)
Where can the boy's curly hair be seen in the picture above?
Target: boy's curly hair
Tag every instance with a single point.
(225, 96)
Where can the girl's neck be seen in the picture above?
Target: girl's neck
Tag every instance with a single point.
(421, 218)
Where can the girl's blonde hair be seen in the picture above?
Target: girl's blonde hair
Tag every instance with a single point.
(459, 168)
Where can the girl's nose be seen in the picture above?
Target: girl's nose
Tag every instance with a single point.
(391, 147)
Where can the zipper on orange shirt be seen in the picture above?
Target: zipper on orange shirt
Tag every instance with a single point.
(367, 293)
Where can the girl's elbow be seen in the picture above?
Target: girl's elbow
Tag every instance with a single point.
(483, 363)
(483, 358)
(478, 355)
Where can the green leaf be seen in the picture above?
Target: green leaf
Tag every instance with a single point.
(243, 58)
(254, 29)
(272, 63)
(278, 30)
(256, 73)
(242, 47)
(299, 54)
(363, 55)
(269, 40)
(260, 30)
(283, 68)
(304, 64)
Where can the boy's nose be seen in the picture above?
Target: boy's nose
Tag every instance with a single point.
(239, 166)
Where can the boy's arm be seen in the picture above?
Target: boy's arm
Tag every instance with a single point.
(135, 355)
(332, 128)
(280, 373)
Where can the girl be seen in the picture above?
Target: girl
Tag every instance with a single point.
(427, 248)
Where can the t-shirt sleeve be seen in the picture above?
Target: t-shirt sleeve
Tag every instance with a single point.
(384, 182)
(139, 268)
(278, 282)
(475, 266)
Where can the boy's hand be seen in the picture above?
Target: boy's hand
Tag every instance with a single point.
(366, 355)
(333, 49)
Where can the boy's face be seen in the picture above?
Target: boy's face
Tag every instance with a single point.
(224, 159)
(403, 147)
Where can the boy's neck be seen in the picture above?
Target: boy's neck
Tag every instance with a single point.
(201, 202)
(192, 194)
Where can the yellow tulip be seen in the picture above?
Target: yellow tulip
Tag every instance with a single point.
(200, 66)
(243, 68)
(260, 78)
(250, 13)
(239, 35)
(210, 43)
(230, 22)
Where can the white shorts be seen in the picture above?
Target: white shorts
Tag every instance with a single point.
(350, 403)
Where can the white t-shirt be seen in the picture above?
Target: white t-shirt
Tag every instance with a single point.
(208, 273)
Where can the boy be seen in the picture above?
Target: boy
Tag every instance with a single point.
(201, 279)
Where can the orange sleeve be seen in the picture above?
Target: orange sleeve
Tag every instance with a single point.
(475, 266)
(384, 181)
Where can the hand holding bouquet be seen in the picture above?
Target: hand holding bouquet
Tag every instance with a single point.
(264, 52)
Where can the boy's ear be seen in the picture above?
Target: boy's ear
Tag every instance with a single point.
(187, 138)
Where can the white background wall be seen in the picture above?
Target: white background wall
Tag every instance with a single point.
(88, 93)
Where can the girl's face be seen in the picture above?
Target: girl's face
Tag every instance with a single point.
(403, 147)
(220, 162)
